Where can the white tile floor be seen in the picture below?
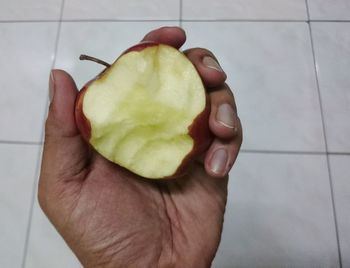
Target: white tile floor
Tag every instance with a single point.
(26, 53)
(292, 85)
(121, 9)
(282, 87)
(244, 9)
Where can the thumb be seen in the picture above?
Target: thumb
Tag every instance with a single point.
(60, 122)
(65, 153)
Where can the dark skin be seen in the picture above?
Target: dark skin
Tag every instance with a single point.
(110, 217)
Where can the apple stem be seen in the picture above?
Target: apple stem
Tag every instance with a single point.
(86, 57)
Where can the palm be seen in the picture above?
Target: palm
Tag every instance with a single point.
(112, 218)
(116, 214)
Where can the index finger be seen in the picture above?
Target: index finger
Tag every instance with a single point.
(172, 36)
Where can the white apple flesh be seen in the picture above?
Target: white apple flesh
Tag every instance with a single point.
(148, 112)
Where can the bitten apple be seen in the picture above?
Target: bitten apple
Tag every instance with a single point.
(147, 112)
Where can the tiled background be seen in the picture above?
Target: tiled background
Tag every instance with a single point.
(289, 65)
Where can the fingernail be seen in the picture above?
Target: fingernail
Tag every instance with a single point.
(51, 86)
(211, 63)
(225, 115)
(219, 161)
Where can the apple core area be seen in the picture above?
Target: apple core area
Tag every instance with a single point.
(141, 108)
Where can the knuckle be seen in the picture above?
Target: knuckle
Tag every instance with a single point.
(230, 93)
(199, 52)
(240, 133)
(206, 51)
(223, 94)
(228, 90)
(41, 196)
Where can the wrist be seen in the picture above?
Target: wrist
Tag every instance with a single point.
(145, 262)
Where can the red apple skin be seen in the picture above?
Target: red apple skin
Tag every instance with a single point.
(199, 130)
(140, 46)
(81, 121)
(202, 138)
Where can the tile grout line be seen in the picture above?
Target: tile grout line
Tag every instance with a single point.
(181, 20)
(333, 20)
(86, 20)
(180, 12)
(307, 10)
(34, 188)
(325, 137)
(251, 151)
(244, 20)
(21, 142)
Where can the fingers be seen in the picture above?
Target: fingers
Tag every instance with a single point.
(63, 92)
(226, 126)
(207, 66)
(65, 153)
(223, 121)
(172, 36)
(221, 156)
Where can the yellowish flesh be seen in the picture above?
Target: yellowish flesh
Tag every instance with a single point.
(141, 108)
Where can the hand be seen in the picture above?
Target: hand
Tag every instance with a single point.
(112, 218)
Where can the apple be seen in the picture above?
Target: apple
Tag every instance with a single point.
(147, 112)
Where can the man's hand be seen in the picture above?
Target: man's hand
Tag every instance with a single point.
(110, 217)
